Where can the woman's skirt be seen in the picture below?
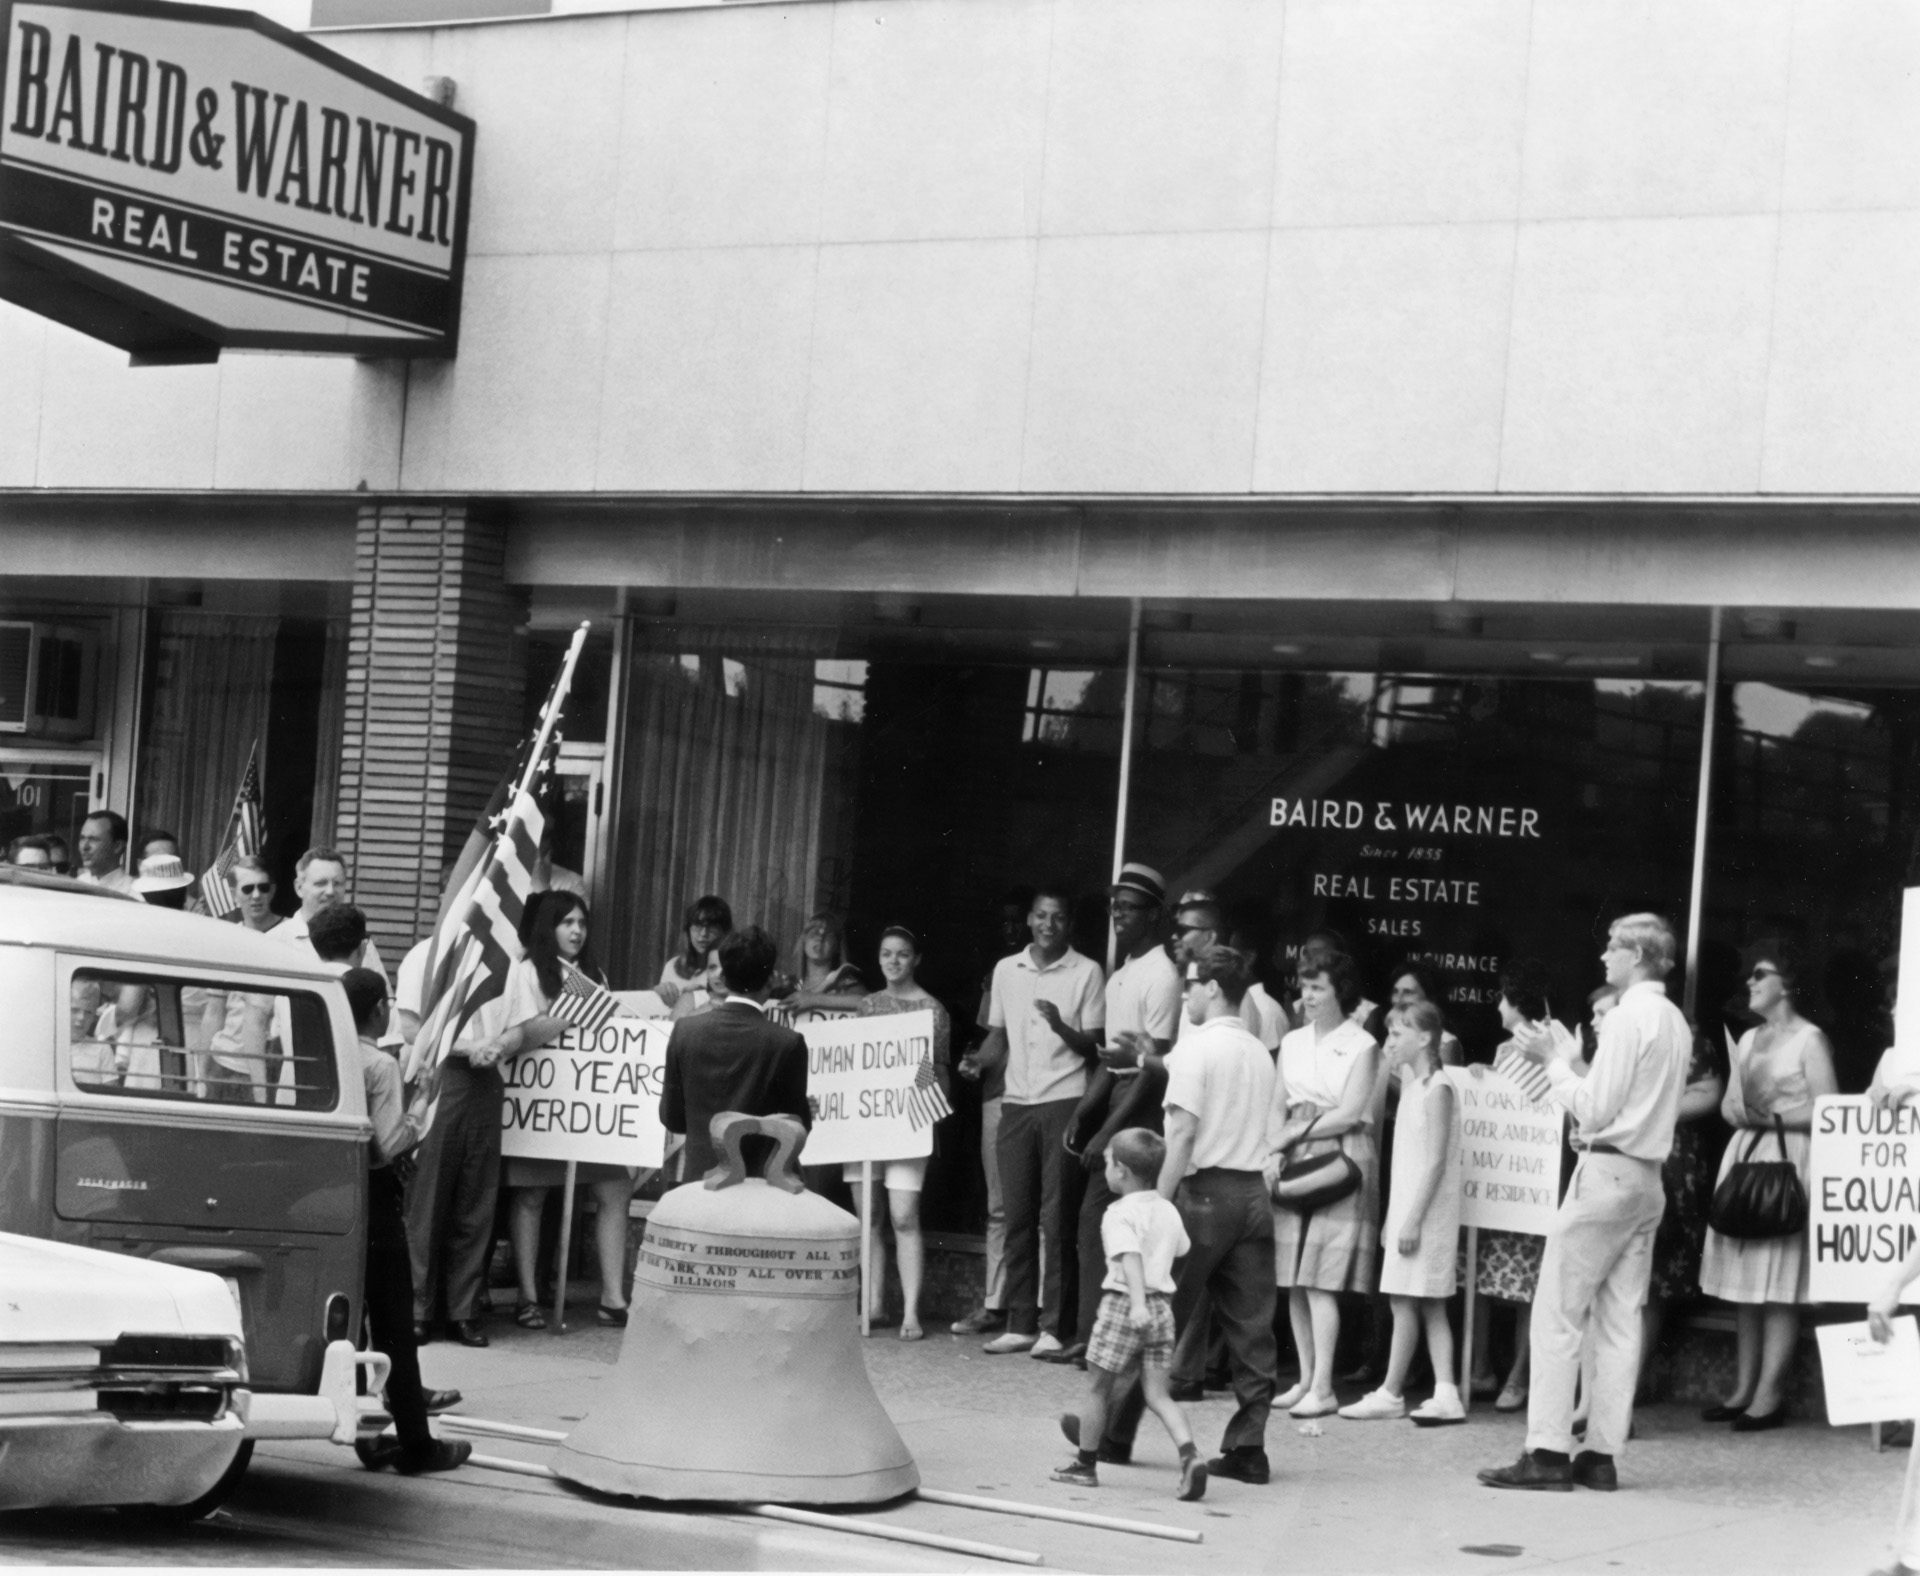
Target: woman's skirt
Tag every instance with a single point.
(1336, 1248)
(1764, 1269)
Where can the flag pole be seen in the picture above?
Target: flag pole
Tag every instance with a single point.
(566, 1242)
(556, 703)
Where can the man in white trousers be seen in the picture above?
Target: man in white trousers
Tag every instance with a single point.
(1599, 1253)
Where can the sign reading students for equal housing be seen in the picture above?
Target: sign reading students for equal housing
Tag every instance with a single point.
(589, 1096)
(1864, 1195)
(1509, 1153)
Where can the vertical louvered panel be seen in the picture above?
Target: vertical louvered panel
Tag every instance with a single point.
(435, 675)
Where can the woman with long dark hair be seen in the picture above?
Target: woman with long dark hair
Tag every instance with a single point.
(703, 927)
(557, 938)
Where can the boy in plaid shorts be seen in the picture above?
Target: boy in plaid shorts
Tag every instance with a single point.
(1142, 1235)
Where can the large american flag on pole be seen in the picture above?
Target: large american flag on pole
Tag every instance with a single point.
(246, 835)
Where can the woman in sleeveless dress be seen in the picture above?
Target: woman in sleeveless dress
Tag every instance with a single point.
(1326, 1082)
(1779, 1068)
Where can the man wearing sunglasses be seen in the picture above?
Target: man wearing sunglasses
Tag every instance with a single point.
(253, 886)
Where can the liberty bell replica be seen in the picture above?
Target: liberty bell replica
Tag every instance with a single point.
(741, 1375)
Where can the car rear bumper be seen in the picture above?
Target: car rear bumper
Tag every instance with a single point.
(95, 1459)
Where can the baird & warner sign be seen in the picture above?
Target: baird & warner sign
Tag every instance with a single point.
(175, 179)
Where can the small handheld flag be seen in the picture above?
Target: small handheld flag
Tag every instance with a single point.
(1529, 1075)
(927, 1101)
(583, 1001)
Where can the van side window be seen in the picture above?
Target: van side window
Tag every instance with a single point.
(171, 1039)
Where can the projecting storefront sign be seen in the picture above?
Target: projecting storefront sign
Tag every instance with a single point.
(175, 179)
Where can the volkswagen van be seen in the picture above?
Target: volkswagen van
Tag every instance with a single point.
(187, 1091)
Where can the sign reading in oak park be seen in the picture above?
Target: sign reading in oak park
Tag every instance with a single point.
(176, 179)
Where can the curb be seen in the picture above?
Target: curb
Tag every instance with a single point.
(478, 1517)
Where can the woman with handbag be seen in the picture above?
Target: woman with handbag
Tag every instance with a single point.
(1327, 1173)
(1756, 1249)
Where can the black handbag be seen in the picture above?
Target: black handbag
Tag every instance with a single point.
(1318, 1181)
(1758, 1199)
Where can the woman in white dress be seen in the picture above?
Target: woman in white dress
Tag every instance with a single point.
(1326, 1083)
(1418, 1266)
(1779, 1068)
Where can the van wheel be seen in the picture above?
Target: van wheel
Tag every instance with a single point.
(207, 1503)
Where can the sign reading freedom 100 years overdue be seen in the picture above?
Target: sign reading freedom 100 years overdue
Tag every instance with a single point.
(1509, 1153)
(597, 1097)
(1863, 1192)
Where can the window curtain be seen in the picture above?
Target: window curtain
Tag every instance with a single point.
(211, 684)
(722, 771)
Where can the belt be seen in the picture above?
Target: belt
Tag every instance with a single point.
(1610, 1149)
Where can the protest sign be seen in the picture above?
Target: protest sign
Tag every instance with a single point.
(1863, 1192)
(1509, 1153)
(1865, 1381)
(589, 1096)
(860, 1074)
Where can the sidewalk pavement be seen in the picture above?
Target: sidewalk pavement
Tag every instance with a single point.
(1356, 1498)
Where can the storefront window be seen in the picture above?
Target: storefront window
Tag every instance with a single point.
(1458, 822)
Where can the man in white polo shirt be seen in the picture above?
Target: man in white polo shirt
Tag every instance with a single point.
(1143, 1001)
(1044, 1002)
(320, 879)
(1219, 1103)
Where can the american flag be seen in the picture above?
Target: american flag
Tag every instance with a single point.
(246, 834)
(1529, 1075)
(583, 1001)
(927, 1102)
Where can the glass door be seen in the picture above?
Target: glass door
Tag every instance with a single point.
(47, 794)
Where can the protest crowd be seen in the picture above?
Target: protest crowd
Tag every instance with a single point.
(1194, 1161)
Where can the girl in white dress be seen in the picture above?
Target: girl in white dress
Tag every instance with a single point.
(1418, 1270)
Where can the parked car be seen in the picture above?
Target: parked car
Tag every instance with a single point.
(182, 1091)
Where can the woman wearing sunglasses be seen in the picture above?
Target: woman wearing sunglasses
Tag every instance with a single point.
(1779, 1068)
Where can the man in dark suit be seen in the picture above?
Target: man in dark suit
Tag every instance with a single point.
(731, 1058)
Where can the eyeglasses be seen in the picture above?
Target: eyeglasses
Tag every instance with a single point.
(1762, 973)
(256, 889)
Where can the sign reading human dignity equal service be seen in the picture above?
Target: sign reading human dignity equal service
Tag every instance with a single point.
(861, 1075)
(175, 179)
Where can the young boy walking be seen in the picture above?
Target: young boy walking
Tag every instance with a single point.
(1142, 1235)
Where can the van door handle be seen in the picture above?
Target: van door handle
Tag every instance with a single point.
(216, 1259)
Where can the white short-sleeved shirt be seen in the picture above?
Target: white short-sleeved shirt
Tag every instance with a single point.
(1223, 1076)
(294, 931)
(411, 986)
(1265, 1017)
(1145, 996)
(1040, 1065)
(1146, 1224)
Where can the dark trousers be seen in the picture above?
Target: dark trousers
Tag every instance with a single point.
(450, 1204)
(389, 1304)
(1202, 1347)
(1041, 1184)
(1093, 1252)
(1229, 1220)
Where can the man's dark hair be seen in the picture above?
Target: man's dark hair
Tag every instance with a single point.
(1059, 894)
(1228, 967)
(1020, 897)
(116, 823)
(365, 991)
(337, 933)
(747, 958)
(159, 837)
(1524, 982)
(1341, 972)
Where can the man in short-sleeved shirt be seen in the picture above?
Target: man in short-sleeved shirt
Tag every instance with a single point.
(1143, 1002)
(1044, 1001)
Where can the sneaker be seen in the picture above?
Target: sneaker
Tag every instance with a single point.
(1000, 1345)
(1078, 1473)
(1595, 1471)
(982, 1321)
(1046, 1347)
(1381, 1404)
(1111, 1452)
(1531, 1472)
(443, 1455)
(1243, 1463)
(1442, 1408)
(1193, 1478)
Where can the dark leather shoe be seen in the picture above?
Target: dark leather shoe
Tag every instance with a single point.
(1760, 1422)
(441, 1400)
(422, 1332)
(1067, 1354)
(1718, 1413)
(1243, 1463)
(1216, 1381)
(1530, 1472)
(1186, 1390)
(443, 1455)
(468, 1332)
(1111, 1451)
(1595, 1471)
